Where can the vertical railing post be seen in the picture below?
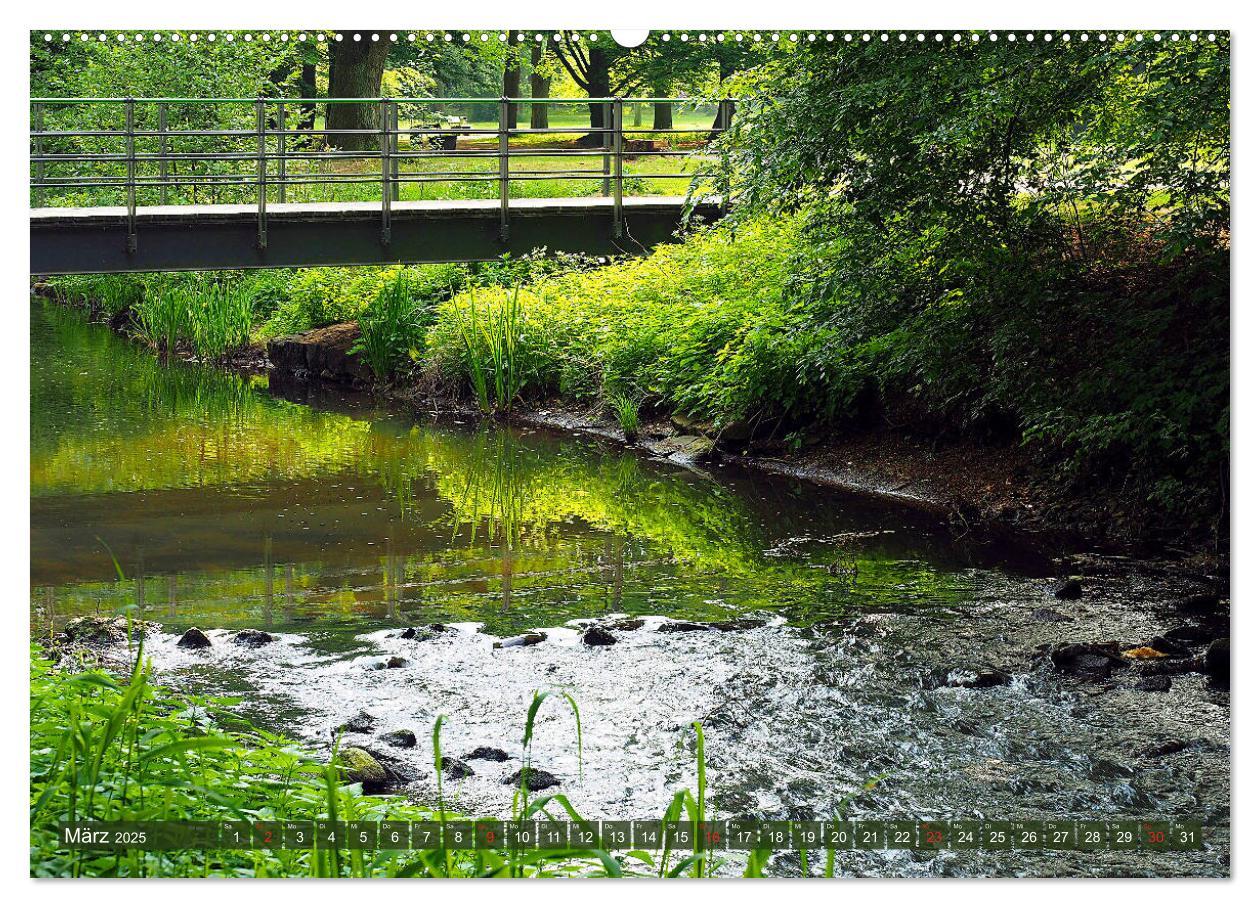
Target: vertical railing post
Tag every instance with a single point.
(131, 176)
(619, 147)
(163, 151)
(607, 143)
(260, 107)
(386, 121)
(504, 186)
(281, 150)
(395, 170)
(37, 127)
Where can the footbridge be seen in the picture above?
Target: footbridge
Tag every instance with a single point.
(170, 184)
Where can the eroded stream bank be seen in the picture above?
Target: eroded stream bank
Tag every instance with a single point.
(875, 643)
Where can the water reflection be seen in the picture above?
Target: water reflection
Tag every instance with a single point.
(211, 491)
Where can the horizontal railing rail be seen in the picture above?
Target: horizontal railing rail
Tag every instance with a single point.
(89, 152)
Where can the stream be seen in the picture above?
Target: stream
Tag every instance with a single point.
(334, 522)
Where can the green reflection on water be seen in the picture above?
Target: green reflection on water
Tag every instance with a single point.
(228, 506)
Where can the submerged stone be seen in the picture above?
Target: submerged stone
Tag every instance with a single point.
(1069, 590)
(737, 624)
(402, 738)
(361, 723)
(1092, 661)
(456, 769)
(1216, 661)
(253, 638)
(493, 754)
(1048, 615)
(681, 627)
(1199, 604)
(535, 779)
(598, 636)
(193, 639)
(522, 640)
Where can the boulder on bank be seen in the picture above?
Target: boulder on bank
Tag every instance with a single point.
(493, 754)
(252, 638)
(683, 449)
(320, 353)
(535, 779)
(193, 638)
(90, 631)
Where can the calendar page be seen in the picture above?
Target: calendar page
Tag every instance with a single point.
(793, 451)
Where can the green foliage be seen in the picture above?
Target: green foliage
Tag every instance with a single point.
(324, 296)
(1016, 242)
(697, 325)
(625, 407)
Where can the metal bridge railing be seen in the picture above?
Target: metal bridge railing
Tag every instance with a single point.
(86, 152)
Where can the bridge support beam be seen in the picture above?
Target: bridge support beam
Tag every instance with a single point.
(223, 237)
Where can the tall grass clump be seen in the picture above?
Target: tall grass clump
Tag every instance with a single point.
(625, 407)
(391, 328)
(495, 355)
(208, 315)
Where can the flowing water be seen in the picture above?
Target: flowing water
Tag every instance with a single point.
(333, 524)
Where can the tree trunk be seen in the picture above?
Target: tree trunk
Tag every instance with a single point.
(355, 70)
(598, 85)
(539, 87)
(662, 115)
(512, 78)
(307, 89)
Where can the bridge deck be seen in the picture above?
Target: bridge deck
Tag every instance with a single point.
(210, 237)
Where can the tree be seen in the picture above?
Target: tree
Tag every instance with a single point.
(355, 69)
(512, 76)
(590, 67)
(539, 87)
